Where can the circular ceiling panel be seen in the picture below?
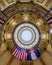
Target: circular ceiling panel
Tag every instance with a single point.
(26, 35)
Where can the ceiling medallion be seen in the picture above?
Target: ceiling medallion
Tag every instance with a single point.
(25, 33)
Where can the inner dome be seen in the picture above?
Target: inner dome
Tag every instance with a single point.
(26, 35)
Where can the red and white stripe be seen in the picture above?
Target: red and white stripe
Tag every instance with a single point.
(14, 51)
(19, 54)
(1, 21)
(49, 21)
(23, 54)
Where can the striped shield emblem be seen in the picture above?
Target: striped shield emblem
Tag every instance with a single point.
(49, 21)
(1, 21)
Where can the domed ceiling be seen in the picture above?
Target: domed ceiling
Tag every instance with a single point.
(26, 29)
